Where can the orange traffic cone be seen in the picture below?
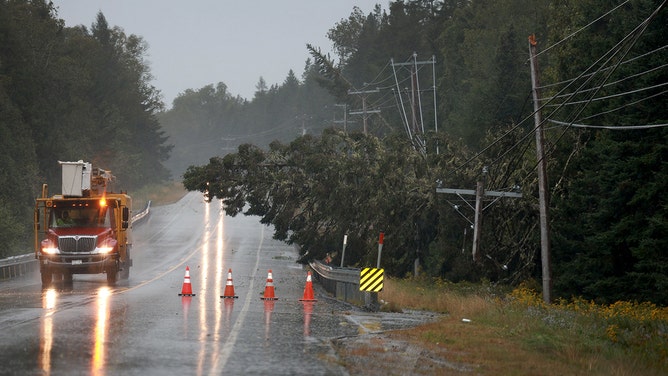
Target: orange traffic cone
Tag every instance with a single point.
(187, 289)
(229, 287)
(269, 288)
(308, 290)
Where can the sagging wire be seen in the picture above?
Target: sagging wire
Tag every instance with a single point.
(581, 29)
(634, 33)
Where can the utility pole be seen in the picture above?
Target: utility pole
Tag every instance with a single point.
(433, 73)
(477, 219)
(364, 112)
(345, 117)
(543, 197)
(343, 252)
(415, 127)
(415, 98)
(479, 193)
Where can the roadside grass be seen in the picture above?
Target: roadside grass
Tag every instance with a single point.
(158, 194)
(513, 332)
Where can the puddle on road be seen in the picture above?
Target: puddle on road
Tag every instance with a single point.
(375, 322)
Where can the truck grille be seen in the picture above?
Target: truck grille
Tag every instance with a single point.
(77, 243)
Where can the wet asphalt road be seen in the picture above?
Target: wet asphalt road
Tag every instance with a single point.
(143, 327)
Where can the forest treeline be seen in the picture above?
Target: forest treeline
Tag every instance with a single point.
(70, 93)
(419, 94)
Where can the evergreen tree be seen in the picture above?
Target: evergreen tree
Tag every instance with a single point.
(610, 220)
(70, 94)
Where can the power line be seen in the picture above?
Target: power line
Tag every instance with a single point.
(582, 28)
(612, 83)
(636, 35)
(608, 96)
(605, 69)
(613, 127)
(625, 105)
(375, 83)
(633, 37)
(414, 99)
(636, 32)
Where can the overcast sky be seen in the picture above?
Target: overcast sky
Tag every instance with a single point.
(200, 42)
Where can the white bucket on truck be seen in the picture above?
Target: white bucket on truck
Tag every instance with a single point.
(76, 178)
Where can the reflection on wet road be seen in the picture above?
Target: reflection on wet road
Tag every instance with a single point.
(97, 366)
(46, 337)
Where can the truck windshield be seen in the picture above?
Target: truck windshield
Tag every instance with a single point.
(80, 217)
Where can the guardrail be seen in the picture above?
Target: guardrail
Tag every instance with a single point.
(17, 266)
(344, 284)
(142, 215)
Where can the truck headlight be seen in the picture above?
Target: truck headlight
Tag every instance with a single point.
(49, 250)
(105, 249)
(49, 247)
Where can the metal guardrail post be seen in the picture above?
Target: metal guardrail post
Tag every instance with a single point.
(344, 284)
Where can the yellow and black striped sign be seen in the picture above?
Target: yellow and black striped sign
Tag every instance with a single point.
(371, 279)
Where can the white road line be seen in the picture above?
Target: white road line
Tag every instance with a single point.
(179, 264)
(234, 333)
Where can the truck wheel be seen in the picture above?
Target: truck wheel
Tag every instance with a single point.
(125, 273)
(112, 275)
(47, 278)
